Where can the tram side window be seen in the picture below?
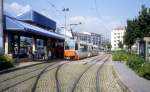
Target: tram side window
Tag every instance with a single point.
(66, 46)
(69, 45)
(76, 46)
(83, 48)
(86, 48)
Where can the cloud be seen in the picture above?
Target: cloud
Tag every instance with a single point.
(16, 8)
(102, 25)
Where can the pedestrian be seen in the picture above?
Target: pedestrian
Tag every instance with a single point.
(43, 54)
(30, 54)
(49, 54)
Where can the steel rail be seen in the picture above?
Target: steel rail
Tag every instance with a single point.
(78, 79)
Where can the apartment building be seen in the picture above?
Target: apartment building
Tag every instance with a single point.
(116, 37)
(89, 37)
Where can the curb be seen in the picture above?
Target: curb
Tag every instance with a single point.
(120, 82)
(18, 68)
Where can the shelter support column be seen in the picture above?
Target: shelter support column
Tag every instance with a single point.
(146, 56)
(6, 43)
(33, 44)
(147, 48)
(46, 49)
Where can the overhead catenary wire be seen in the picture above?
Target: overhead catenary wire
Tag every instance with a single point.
(53, 6)
(58, 12)
(98, 15)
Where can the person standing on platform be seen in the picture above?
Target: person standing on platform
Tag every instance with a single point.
(49, 54)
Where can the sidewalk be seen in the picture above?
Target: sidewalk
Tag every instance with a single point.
(130, 79)
(21, 66)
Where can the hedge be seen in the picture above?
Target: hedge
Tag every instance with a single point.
(120, 56)
(136, 63)
(6, 61)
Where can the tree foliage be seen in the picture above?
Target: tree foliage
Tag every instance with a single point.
(109, 46)
(120, 45)
(138, 27)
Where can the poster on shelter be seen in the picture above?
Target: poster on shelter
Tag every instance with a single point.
(142, 49)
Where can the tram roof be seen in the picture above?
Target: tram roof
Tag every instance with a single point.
(13, 24)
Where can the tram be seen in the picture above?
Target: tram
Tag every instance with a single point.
(78, 50)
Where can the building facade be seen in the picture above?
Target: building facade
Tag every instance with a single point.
(32, 35)
(95, 39)
(116, 37)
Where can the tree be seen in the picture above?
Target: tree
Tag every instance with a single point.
(109, 46)
(144, 21)
(131, 33)
(138, 27)
(120, 45)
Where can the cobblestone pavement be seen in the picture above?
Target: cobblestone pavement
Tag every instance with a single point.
(22, 80)
(108, 82)
(42, 78)
(87, 83)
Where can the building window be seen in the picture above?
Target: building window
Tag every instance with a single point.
(25, 46)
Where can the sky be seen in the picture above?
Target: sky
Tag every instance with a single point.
(99, 16)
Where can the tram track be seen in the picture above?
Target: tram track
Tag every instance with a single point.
(98, 74)
(38, 77)
(23, 73)
(90, 60)
(62, 84)
(35, 76)
(80, 76)
(56, 77)
(31, 75)
(58, 84)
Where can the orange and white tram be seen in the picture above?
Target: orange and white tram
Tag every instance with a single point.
(78, 49)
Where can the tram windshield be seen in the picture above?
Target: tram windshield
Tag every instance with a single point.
(69, 45)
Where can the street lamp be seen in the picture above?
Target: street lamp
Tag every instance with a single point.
(76, 24)
(65, 10)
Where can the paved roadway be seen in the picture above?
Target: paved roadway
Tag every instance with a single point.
(93, 74)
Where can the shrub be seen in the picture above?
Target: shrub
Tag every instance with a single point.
(6, 61)
(144, 70)
(119, 56)
(137, 63)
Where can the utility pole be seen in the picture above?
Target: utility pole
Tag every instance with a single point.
(1, 28)
(65, 10)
